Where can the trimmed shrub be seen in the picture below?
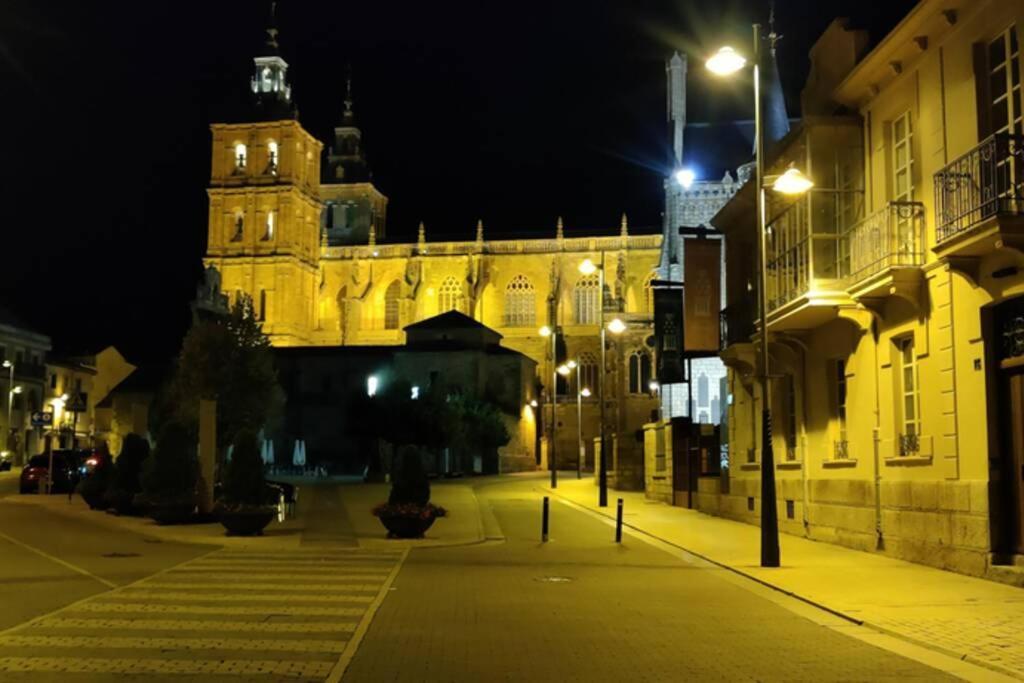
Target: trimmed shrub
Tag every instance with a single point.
(93, 489)
(411, 484)
(170, 475)
(244, 484)
(125, 481)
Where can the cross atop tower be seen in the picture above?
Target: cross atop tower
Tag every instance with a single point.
(270, 80)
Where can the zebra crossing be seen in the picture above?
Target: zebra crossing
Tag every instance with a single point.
(242, 614)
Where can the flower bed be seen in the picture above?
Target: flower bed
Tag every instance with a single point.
(408, 520)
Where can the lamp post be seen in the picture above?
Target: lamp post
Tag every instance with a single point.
(10, 401)
(10, 386)
(553, 333)
(588, 267)
(723, 63)
(581, 393)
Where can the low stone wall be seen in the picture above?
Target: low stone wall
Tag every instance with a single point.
(658, 461)
(517, 463)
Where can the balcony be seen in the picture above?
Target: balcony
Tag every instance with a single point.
(805, 259)
(979, 200)
(881, 255)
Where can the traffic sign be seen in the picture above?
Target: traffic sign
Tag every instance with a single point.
(75, 404)
(42, 418)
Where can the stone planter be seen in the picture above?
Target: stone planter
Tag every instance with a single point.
(406, 527)
(246, 522)
(171, 513)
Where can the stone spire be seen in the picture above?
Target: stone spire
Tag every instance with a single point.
(346, 161)
(676, 76)
(624, 226)
(480, 232)
(559, 230)
(373, 235)
(348, 117)
(773, 99)
(421, 239)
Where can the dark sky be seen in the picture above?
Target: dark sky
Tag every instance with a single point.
(510, 112)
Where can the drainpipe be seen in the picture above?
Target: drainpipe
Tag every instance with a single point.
(876, 444)
(803, 440)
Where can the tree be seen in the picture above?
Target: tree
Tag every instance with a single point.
(127, 474)
(244, 483)
(228, 360)
(170, 475)
(482, 431)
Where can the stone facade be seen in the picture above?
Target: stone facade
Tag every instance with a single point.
(892, 340)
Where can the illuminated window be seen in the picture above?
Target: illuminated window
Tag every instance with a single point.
(586, 300)
(909, 406)
(639, 372)
(520, 303)
(269, 234)
(392, 306)
(587, 372)
(902, 159)
(240, 157)
(450, 296)
(239, 228)
(272, 157)
(268, 79)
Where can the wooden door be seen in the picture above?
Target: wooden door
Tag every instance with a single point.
(1013, 434)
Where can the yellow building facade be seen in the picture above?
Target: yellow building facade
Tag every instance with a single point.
(895, 321)
(287, 241)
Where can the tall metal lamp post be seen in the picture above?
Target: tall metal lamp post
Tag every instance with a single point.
(565, 370)
(10, 386)
(553, 333)
(724, 63)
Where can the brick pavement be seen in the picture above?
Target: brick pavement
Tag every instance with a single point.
(625, 612)
(245, 615)
(970, 618)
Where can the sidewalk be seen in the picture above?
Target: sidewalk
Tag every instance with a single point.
(972, 619)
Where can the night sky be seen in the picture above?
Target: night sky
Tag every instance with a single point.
(515, 113)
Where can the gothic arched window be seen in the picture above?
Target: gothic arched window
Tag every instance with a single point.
(392, 306)
(239, 228)
(639, 372)
(450, 296)
(587, 372)
(586, 305)
(520, 303)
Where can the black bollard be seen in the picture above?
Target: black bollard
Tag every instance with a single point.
(544, 522)
(618, 523)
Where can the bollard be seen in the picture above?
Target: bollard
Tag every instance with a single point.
(544, 522)
(618, 523)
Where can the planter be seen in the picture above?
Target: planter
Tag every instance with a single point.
(171, 513)
(401, 526)
(249, 522)
(95, 500)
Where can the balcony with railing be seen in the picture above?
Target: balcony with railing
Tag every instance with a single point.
(979, 199)
(882, 254)
(805, 257)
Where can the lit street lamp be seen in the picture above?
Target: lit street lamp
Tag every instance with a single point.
(724, 63)
(553, 333)
(565, 370)
(10, 387)
(588, 267)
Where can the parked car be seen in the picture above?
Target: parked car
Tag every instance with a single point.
(5, 463)
(66, 466)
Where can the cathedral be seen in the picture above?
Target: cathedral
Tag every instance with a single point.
(303, 233)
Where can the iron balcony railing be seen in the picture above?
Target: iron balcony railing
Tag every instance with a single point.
(891, 237)
(986, 182)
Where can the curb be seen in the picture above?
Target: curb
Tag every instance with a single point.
(808, 601)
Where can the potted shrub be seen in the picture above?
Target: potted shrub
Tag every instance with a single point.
(126, 473)
(246, 505)
(93, 488)
(169, 477)
(408, 512)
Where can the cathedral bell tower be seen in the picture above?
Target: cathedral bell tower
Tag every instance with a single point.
(264, 222)
(353, 207)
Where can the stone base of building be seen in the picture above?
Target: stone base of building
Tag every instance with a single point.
(517, 463)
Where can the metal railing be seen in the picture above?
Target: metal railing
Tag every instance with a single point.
(985, 182)
(891, 237)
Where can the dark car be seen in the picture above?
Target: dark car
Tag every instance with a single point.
(66, 465)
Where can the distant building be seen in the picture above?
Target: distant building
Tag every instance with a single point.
(305, 241)
(24, 351)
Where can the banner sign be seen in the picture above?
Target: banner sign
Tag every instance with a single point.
(702, 259)
(668, 334)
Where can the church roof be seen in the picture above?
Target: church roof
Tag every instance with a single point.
(448, 321)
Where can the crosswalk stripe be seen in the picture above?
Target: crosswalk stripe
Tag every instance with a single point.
(137, 593)
(243, 667)
(255, 571)
(289, 588)
(231, 577)
(128, 643)
(187, 625)
(263, 610)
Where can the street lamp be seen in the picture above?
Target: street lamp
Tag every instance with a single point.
(792, 182)
(588, 267)
(546, 331)
(10, 387)
(565, 370)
